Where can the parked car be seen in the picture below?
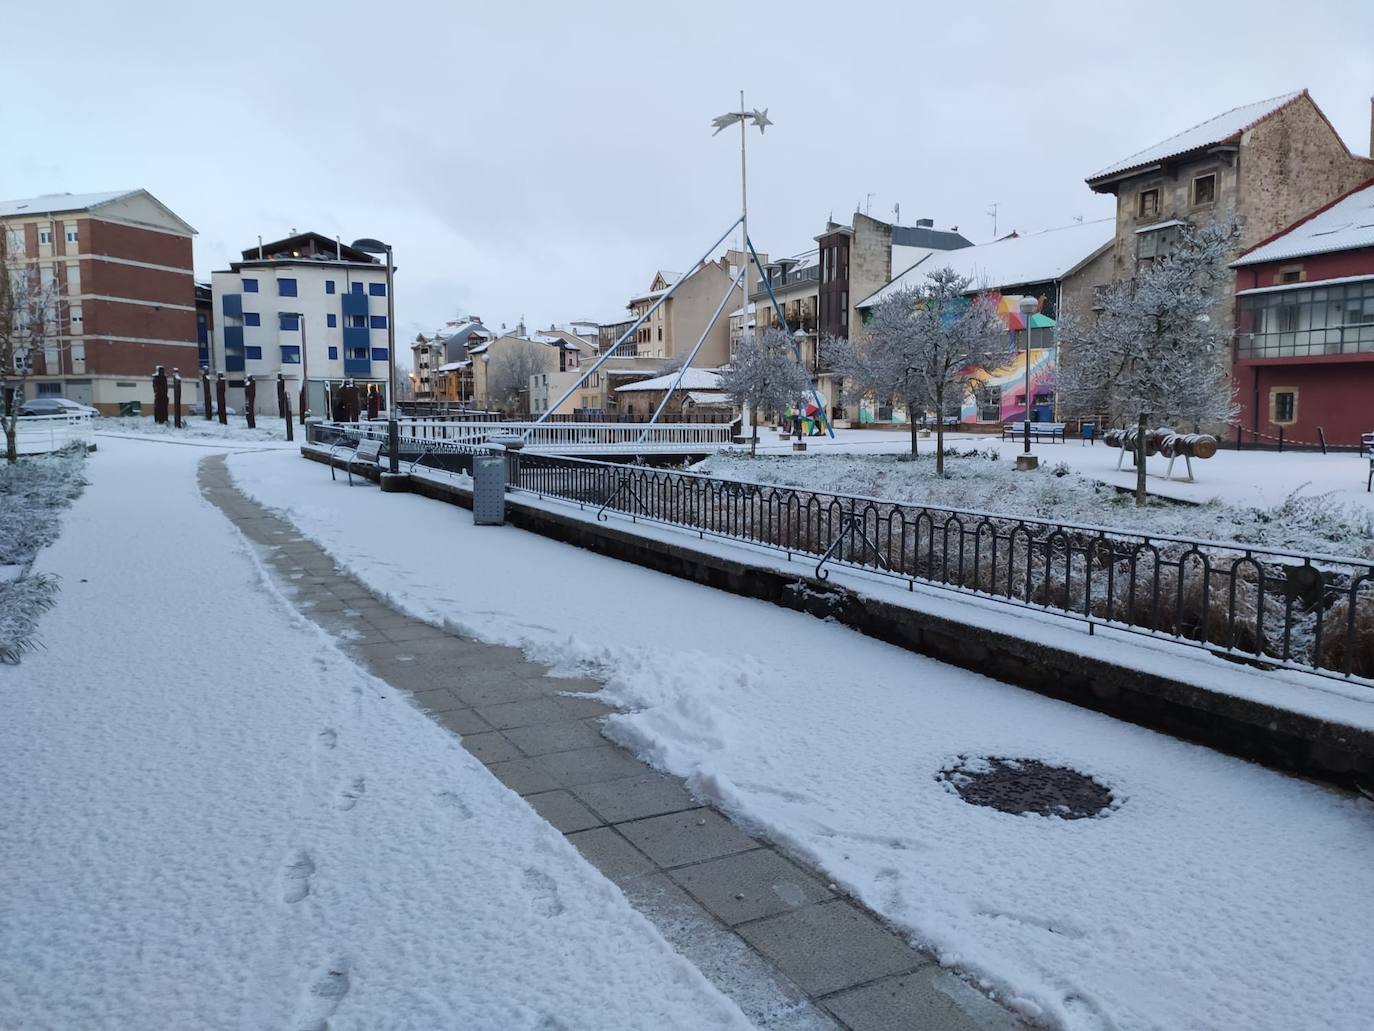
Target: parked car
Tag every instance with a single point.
(55, 406)
(198, 409)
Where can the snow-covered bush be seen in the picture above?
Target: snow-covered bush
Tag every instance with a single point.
(33, 492)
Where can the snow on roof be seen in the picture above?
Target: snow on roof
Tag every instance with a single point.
(454, 365)
(1215, 130)
(707, 397)
(52, 202)
(1012, 260)
(692, 379)
(1342, 226)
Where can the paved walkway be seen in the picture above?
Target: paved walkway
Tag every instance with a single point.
(790, 949)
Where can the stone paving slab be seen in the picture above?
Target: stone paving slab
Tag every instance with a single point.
(831, 946)
(767, 932)
(750, 885)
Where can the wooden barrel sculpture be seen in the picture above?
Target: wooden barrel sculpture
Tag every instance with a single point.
(1185, 445)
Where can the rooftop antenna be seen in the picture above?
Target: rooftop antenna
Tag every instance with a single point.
(338, 249)
(1078, 219)
(868, 203)
(993, 212)
(259, 248)
(897, 213)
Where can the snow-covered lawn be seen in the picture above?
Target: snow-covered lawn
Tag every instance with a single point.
(1068, 488)
(198, 428)
(213, 819)
(1215, 894)
(1245, 478)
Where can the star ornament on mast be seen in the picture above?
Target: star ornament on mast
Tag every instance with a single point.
(759, 118)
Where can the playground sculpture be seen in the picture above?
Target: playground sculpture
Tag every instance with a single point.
(1166, 442)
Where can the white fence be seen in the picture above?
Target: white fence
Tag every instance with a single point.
(563, 438)
(42, 434)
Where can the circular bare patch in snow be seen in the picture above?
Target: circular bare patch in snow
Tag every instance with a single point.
(1021, 786)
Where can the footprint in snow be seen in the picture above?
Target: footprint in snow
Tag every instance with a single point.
(451, 800)
(543, 892)
(296, 882)
(353, 791)
(323, 998)
(328, 738)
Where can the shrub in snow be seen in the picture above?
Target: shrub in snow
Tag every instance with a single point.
(21, 602)
(1341, 645)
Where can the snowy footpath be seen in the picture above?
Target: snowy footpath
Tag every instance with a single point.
(210, 818)
(1212, 894)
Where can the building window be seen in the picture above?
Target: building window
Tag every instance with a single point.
(253, 352)
(1290, 275)
(250, 286)
(71, 236)
(358, 321)
(286, 287)
(74, 317)
(1204, 189)
(329, 286)
(1305, 321)
(252, 318)
(356, 288)
(289, 323)
(376, 289)
(379, 354)
(1283, 406)
(379, 322)
(44, 236)
(1148, 204)
(1157, 243)
(333, 353)
(331, 320)
(290, 354)
(73, 279)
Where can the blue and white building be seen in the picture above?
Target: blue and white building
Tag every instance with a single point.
(307, 307)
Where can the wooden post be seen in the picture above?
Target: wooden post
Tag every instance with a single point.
(220, 387)
(1321, 436)
(281, 395)
(207, 402)
(176, 398)
(250, 402)
(160, 396)
(286, 415)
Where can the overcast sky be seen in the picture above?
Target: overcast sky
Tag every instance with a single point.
(543, 159)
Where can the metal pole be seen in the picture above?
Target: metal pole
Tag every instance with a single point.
(1028, 397)
(305, 369)
(626, 335)
(744, 207)
(729, 291)
(393, 429)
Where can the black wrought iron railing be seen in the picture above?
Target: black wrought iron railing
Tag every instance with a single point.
(1276, 608)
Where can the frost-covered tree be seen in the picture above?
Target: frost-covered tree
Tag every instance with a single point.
(29, 314)
(920, 346)
(510, 369)
(1159, 348)
(764, 376)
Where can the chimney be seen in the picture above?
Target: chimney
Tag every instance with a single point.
(925, 223)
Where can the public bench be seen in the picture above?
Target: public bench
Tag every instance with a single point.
(366, 452)
(1038, 431)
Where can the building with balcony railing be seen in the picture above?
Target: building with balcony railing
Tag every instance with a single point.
(308, 307)
(1304, 346)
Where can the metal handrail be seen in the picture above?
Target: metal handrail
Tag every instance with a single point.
(1273, 607)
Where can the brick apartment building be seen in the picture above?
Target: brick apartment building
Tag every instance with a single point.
(121, 265)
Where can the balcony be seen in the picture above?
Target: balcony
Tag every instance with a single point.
(358, 367)
(354, 304)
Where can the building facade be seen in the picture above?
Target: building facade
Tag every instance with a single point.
(1304, 346)
(308, 308)
(1267, 164)
(119, 268)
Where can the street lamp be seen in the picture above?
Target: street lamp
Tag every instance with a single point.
(1028, 305)
(393, 432)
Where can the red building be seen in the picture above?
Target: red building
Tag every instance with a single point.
(119, 267)
(1304, 351)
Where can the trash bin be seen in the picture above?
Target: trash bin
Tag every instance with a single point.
(489, 490)
(130, 408)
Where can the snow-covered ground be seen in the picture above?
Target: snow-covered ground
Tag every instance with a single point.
(198, 428)
(1215, 894)
(1245, 478)
(213, 819)
(1256, 498)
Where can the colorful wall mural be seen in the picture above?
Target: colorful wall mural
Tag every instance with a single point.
(1000, 394)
